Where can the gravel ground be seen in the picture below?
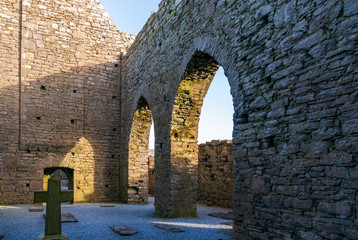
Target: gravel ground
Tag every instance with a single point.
(17, 223)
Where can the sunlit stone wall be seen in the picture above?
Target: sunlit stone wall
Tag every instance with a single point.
(215, 178)
(62, 108)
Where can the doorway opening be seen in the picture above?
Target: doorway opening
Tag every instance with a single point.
(63, 173)
(193, 87)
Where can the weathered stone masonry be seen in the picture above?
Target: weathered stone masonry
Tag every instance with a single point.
(68, 100)
(215, 179)
(292, 68)
(59, 102)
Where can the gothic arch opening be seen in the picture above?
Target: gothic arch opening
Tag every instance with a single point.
(215, 170)
(193, 87)
(63, 173)
(138, 153)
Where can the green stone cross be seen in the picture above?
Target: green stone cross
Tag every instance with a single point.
(53, 196)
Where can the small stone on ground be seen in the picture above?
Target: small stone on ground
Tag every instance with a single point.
(123, 230)
(168, 228)
(36, 209)
(228, 223)
(228, 215)
(107, 205)
(66, 217)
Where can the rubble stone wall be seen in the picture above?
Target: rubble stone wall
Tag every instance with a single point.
(292, 67)
(59, 97)
(215, 178)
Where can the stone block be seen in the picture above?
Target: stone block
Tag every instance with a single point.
(310, 41)
(10, 163)
(258, 186)
(168, 228)
(123, 230)
(343, 209)
(258, 103)
(350, 8)
(297, 221)
(285, 14)
(306, 98)
(308, 235)
(337, 158)
(350, 232)
(353, 172)
(290, 190)
(353, 184)
(276, 113)
(273, 201)
(329, 228)
(326, 133)
(298, 203)
(29, 44)
(337, 172)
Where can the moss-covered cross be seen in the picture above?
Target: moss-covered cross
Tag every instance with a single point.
(53, 198)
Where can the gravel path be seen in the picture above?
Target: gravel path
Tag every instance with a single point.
(17, 223)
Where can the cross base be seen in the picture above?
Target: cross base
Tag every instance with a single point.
(53, 237)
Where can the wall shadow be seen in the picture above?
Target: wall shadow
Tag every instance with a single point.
(68, 120)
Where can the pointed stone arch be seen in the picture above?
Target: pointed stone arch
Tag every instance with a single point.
(138, 153)
(198, 75)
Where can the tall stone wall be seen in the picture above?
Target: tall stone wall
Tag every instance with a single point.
(59, 101)
(9, 90)
(292, 67)
(215, 178)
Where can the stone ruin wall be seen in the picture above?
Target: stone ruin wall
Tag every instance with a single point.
(215, 178)
(59, 104)
(292, 67)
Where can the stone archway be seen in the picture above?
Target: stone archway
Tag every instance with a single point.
(291, 70)
(138, 153)
(193, 87)
(59, 172)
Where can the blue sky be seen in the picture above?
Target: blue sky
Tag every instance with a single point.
(217, 111)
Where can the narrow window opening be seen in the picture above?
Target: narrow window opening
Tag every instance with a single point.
(243, 118)
(270, 142)
(265, 19)
(267, 79)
